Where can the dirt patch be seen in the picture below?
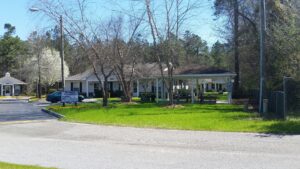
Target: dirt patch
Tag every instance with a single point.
(130, 103)
(174, 106)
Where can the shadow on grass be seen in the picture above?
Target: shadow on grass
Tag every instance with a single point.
(243, 116)
(186, 110)
(209, 107)
(284, 128)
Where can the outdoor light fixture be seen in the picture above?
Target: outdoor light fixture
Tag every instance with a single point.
(34, 9)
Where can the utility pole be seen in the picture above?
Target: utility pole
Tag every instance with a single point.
(236, 47)
(62, 52)
(262, 55)
(39, 76)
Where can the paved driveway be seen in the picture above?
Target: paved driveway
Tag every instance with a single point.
(83, 146)
(21, 111)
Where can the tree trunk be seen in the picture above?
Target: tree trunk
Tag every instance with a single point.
(105, 93)
(236, 47)
(127, 92)
(170, 90)
(39, 90)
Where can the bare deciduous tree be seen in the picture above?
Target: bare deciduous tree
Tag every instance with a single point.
(166, 38)
(126, 53)
(104, 44)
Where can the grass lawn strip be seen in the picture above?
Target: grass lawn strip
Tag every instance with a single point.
(17, 166)
(218, 117)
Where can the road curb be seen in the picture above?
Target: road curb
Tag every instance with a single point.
(12, 101)
(57, 115)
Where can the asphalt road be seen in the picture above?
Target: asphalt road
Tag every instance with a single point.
(83, 146)
(21, 111)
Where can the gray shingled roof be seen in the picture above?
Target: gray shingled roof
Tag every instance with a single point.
(153, 70)
(7, 79)
(81, 76)
(196, 69)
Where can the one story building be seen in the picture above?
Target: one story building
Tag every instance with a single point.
(193, 78)
(10, 86)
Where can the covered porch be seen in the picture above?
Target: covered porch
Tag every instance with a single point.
(193, 83)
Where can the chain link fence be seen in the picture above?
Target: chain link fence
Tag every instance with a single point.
(281, 103)
(291, 89)
(276, 105)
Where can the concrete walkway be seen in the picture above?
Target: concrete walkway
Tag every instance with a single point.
(16, 99)
(83, 146)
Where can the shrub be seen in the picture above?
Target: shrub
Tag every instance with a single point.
(52, 90)
(147, 97)
(117, 93)
(184, 92)
(98, 93)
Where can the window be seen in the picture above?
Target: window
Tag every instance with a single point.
(72, 86)
(134, 87)
(80, 87)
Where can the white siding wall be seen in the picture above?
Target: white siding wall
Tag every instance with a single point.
(91, 87)
(67, 85)
(83, 86)
(146, 86)
(76, 85)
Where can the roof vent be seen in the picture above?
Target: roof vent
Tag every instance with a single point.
(7, 74)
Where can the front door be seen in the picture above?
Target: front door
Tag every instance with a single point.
(7, 90)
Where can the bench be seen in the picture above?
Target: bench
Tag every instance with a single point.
(210, 99)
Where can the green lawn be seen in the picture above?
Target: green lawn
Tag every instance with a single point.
(15, 166)
(218, 117)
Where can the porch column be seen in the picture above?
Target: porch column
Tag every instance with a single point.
(138, 88)
(204, 87)
(192, 91)
(197, 88)
(157, 90)
(87, 88)
(216, 87)
(13, 90)
(229, 90)
(162, 95)
(2, 90)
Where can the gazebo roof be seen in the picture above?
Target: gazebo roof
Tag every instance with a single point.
(8, 80)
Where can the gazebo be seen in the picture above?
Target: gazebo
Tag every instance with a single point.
(10, 86)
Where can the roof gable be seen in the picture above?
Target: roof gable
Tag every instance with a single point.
(8, 80)
(81, 76)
